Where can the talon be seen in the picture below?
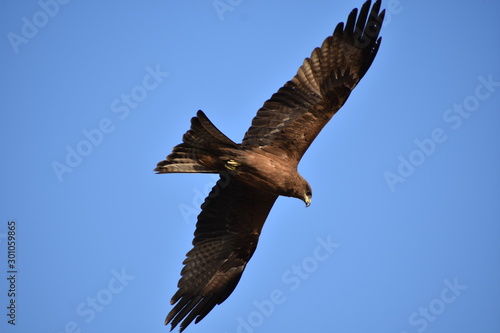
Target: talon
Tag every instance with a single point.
(232, 165)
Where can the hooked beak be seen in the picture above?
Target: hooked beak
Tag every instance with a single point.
(307, 200)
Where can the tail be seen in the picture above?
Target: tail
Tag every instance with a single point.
(202, 146)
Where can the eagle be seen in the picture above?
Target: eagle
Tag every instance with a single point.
(255, 172)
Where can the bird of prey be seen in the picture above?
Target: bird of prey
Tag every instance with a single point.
(263, 166)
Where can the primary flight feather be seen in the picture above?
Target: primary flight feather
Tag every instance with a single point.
(264, 165)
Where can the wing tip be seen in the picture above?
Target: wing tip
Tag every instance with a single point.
(360, 19)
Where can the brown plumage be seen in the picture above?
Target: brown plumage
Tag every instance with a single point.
(264, 166)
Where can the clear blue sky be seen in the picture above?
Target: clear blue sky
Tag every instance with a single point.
(405, 178)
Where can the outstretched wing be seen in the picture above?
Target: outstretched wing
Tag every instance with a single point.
(225, 239)
(294, 116)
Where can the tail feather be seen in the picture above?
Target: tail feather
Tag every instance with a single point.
(200, 149)
(202, 125)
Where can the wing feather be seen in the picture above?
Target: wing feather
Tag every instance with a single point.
(226, 237)
(321, 86)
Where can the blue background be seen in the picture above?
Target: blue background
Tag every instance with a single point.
(400, 243)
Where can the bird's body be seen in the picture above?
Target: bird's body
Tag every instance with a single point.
(259, 168)
(264, 165)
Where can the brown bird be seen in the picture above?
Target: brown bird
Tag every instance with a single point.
(264, 165)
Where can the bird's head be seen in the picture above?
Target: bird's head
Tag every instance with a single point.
(303, 191)
(307, 196)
